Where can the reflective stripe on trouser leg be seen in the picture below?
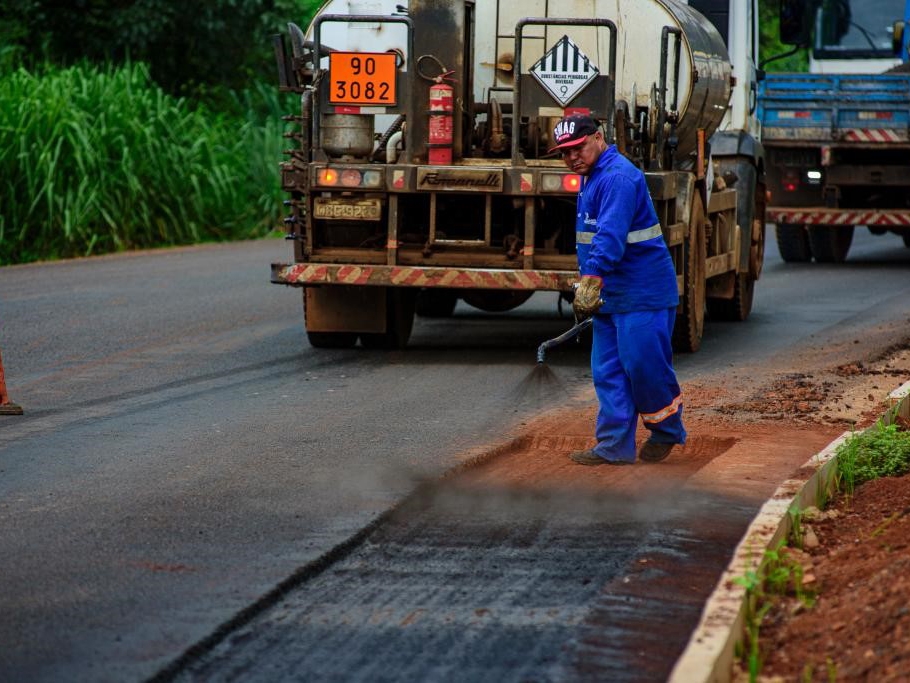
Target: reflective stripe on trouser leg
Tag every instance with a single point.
(616, 418)
(647, 357)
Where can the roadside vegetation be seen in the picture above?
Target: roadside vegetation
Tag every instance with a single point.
(776, 576)
(128, 125)
(97, 159)
(883, 450)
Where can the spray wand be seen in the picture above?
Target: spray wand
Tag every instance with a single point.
(571, 333)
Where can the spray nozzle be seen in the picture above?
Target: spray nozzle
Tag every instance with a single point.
(571, 333)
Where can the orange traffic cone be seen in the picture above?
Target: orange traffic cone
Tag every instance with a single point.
(7, 407)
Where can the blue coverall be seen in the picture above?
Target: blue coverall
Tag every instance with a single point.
(618, 238)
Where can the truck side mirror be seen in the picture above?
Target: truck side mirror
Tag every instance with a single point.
(897, 39)
(794, 22)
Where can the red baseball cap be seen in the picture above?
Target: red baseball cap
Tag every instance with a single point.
(572, 131)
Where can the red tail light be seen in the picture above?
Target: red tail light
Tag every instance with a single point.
(790, 181)
(571, 183)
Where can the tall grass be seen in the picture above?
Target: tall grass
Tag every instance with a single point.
(96, 160)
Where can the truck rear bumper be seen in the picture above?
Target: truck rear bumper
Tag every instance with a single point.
(312, 274)
(825, 216)
(873, 137)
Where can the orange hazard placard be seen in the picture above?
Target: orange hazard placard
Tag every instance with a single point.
(362, 78)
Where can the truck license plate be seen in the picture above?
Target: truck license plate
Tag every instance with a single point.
(347, 209)
(366, 78)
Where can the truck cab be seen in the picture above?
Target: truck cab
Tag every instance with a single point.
(859, 38)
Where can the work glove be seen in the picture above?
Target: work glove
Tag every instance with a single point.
(587, 296)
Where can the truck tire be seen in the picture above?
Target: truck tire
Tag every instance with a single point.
(690, 317)
(752, 214)
(739, 307)
(496, 300)
(793, 243)
(400, 305)
(436, 303)
(830, 243)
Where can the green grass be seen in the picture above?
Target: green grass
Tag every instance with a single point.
(880, 451)
(775, 576)
(96, 160)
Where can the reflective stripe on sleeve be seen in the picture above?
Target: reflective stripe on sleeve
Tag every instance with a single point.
(663, 413)
(584, 237)
(643, 235)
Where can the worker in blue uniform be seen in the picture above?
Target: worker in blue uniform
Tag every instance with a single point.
(628, 285)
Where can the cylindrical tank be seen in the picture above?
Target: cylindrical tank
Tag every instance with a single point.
(704, 74)
(704, 95)
(347, 135)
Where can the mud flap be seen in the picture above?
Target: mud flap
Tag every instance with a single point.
(346, 309)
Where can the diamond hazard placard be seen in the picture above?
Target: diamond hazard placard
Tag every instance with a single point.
(564, 71)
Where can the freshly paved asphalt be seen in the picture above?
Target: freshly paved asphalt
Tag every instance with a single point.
(184, 450)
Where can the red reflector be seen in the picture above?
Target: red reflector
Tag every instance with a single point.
(571, 183)
(790, 114)
(790, 187)
(350, 177)
(526, 185)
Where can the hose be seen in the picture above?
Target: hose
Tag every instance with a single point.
(391, 147)
(571, 333)
(382, 145)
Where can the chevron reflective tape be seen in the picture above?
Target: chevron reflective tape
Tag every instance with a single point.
(400, 276)
(875, 135)
(839, 217)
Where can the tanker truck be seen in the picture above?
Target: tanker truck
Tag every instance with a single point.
(420, 174)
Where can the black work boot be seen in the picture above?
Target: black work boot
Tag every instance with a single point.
(653, 451)
(589, 457)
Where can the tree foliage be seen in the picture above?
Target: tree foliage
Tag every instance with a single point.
(191, 48)
(769, 40)
(194, 48)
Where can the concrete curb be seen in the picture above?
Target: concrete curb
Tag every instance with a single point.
(708, 657)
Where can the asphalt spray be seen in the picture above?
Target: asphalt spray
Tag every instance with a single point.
(540, 387)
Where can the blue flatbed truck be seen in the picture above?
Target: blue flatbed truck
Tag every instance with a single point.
(837, 144)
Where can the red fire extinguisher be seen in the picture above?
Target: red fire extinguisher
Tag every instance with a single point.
(441, 135)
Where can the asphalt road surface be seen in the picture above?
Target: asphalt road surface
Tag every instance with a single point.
(190, 475)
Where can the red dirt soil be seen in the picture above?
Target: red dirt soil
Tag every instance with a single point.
(859, 628)
(749, 430)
